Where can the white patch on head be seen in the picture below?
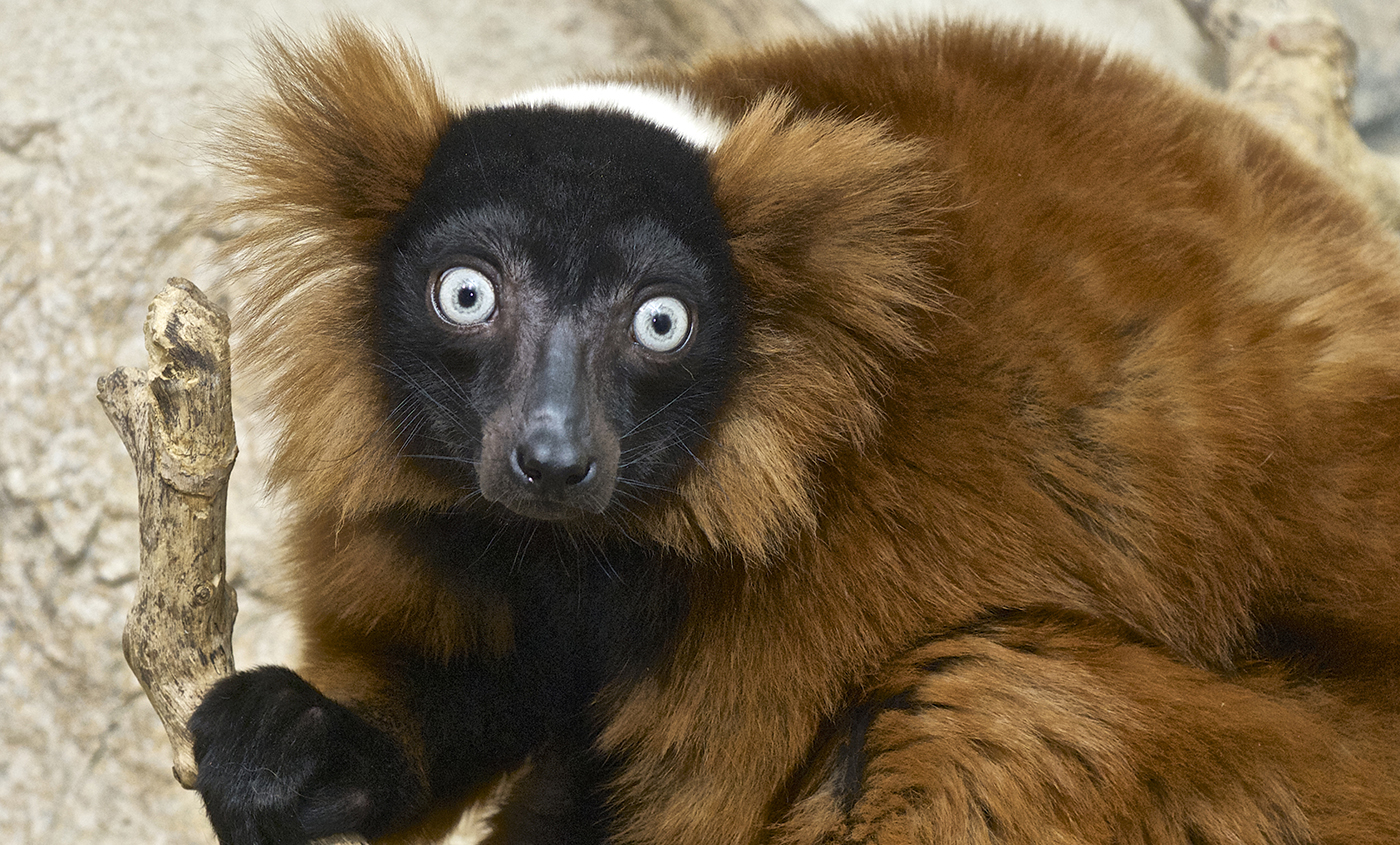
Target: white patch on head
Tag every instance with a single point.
(667, 110)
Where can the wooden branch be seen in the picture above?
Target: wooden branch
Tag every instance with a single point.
(176, 419)
(1290, 63)
(177, 423)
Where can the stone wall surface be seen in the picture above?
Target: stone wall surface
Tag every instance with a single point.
(104, 105)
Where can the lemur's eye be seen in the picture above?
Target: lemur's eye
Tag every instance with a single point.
(662, 324)
(465, 296)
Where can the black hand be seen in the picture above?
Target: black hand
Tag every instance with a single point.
(280, 763)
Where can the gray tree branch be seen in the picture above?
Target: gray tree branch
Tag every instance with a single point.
(176, 420)
(1292, 66)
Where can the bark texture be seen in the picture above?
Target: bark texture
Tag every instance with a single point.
(1290, 63)
(176, 420)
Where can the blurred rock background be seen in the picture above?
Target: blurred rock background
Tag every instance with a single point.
(104, 105)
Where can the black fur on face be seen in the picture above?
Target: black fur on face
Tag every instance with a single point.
(557, 311)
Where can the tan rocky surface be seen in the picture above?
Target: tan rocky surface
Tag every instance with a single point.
(103, 107)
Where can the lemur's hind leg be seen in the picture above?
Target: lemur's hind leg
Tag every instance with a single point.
(1046, 732)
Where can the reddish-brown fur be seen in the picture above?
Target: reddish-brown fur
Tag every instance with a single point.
(1058, 376)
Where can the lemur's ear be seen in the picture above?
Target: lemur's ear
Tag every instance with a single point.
(320, 166)
(835, 231)
(341, 140)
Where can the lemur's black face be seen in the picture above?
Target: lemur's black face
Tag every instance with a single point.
(558, 313)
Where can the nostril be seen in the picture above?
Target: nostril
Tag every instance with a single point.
(527, 464)
(577, 477)
(553, 467)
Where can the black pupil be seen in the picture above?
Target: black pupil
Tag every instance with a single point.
(661, 323)
(466, 298)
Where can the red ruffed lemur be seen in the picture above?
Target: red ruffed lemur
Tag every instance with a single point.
(933, 435)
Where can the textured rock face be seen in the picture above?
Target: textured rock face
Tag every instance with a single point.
(105, 105)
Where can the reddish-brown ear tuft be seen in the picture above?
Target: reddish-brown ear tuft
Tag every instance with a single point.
(321, 164)
(835, 229)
